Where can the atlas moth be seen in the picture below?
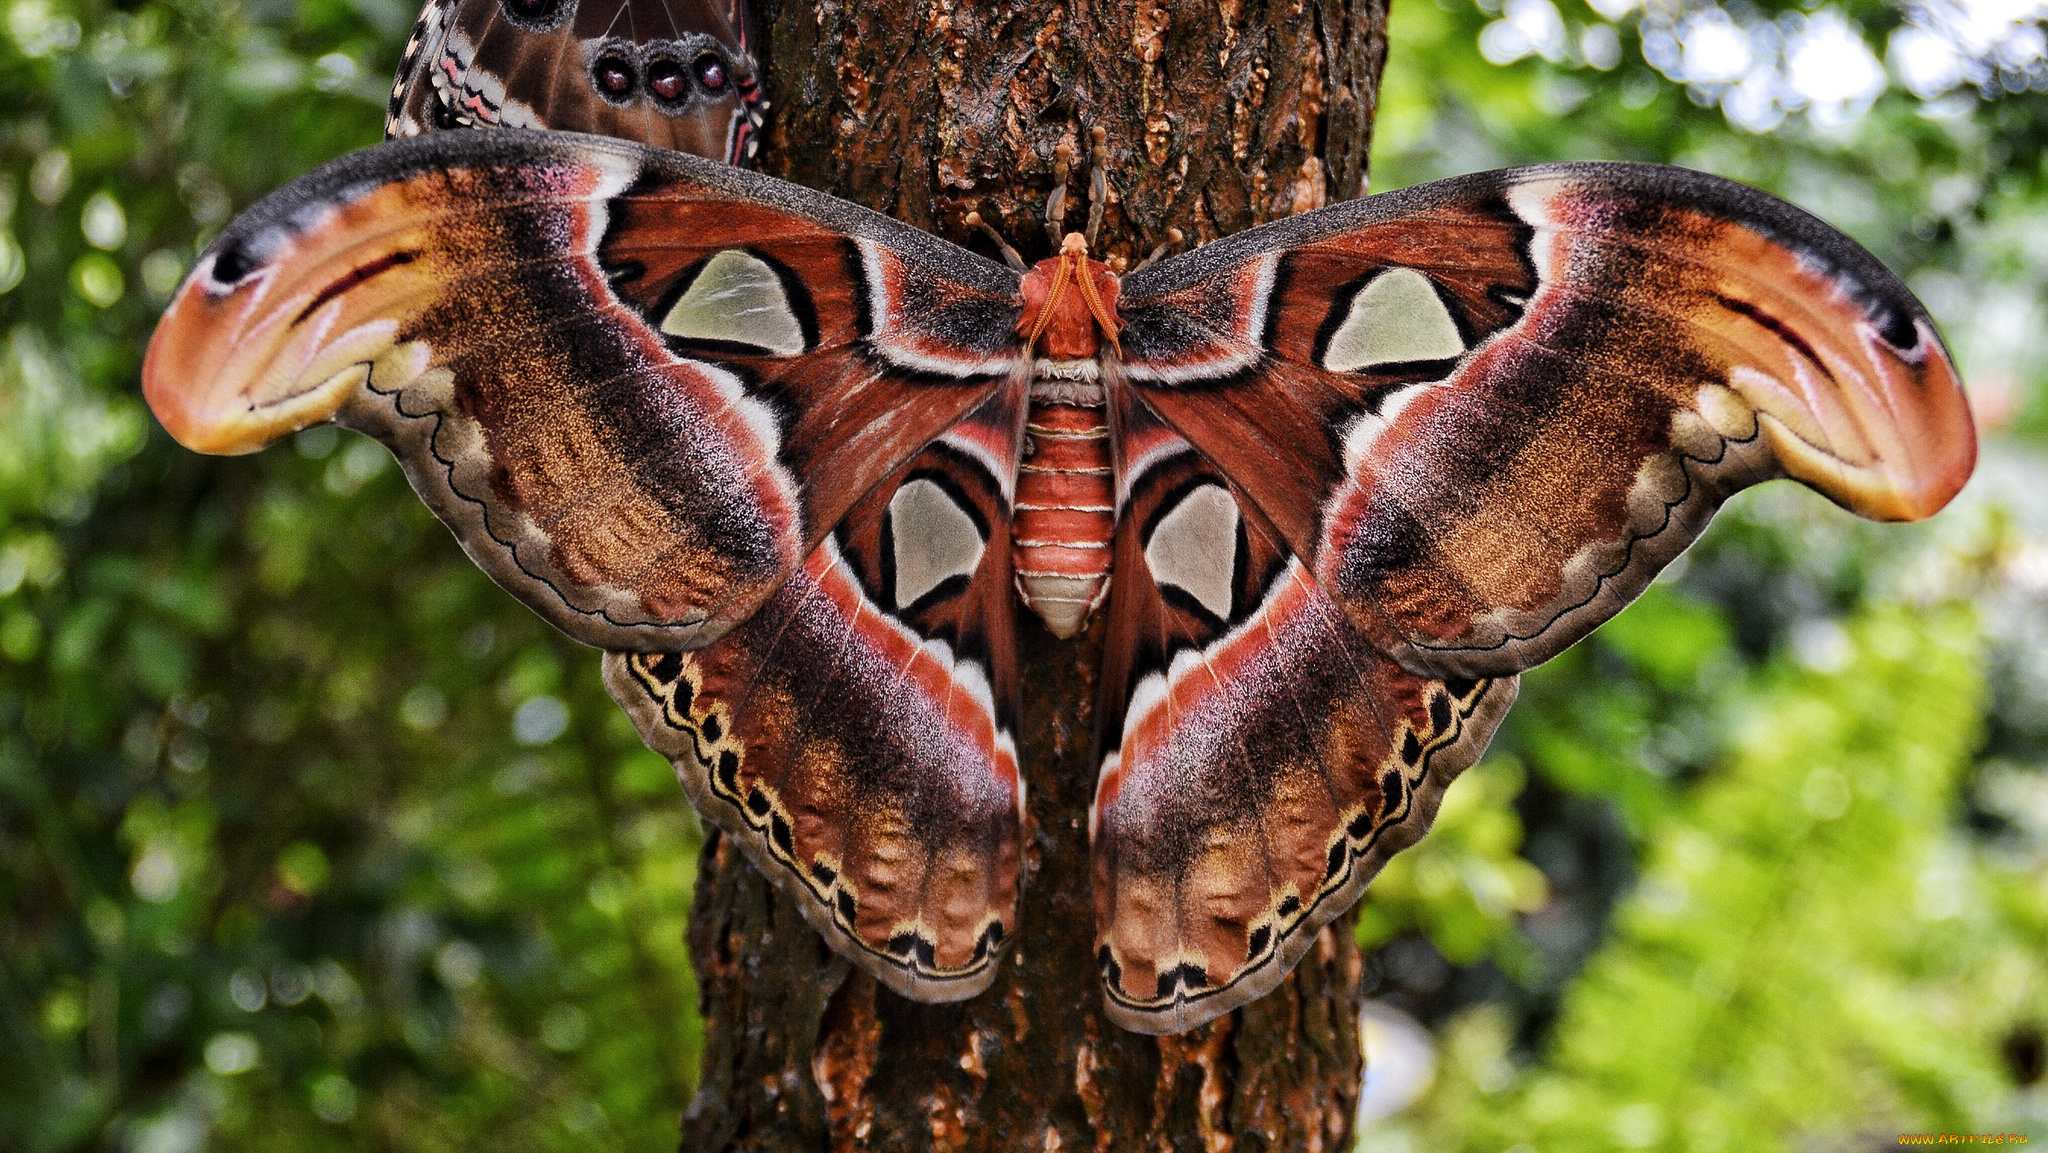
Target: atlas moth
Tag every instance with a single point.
(1333, 482)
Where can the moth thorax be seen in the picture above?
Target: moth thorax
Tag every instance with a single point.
(1069, 305)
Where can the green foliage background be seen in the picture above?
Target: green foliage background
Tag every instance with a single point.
(310, 838)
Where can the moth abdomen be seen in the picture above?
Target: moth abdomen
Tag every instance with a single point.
(1065, 512)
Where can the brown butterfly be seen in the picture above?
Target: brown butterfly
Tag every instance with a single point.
(1335, 482)
(670, 73)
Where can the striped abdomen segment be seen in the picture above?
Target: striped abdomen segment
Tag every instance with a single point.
(1065, 513)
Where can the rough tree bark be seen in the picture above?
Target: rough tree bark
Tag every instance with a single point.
(1219, 116)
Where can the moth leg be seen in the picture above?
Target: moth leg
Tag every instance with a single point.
(1098, 183)
(1010, 256)
(1173, 238)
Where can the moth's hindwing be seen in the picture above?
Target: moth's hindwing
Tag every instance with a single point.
(1260, 760)
(855, 735)
(675, 74)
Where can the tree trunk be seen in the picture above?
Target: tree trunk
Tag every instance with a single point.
(1219, 117)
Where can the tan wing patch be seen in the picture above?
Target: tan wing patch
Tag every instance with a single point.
(737, 298)
(1397, 318)
(933, 540)
(1194, 548)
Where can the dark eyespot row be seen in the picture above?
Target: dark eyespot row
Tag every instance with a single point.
(621, 74)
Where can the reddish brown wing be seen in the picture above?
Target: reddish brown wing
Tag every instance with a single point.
(855, 735)
(1375, 455)
(640, 387)
(675, 74)
(1486, 412)
(1261, 760)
